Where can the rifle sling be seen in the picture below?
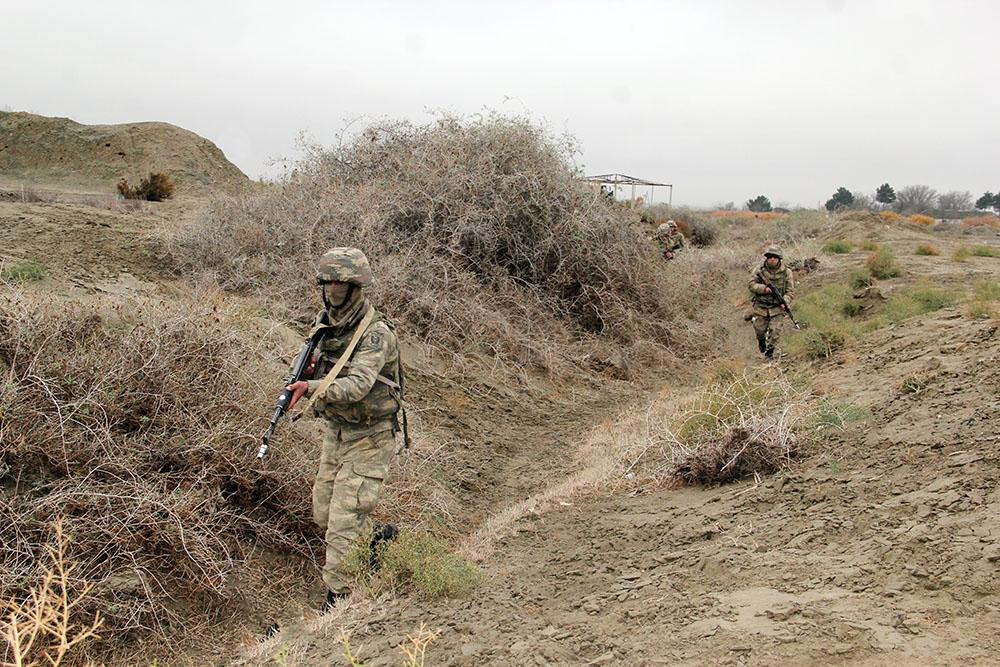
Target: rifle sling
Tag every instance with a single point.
(348, 351)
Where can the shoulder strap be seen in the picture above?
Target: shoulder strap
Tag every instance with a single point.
(335, 371)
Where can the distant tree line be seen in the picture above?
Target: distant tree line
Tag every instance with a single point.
(912, 199)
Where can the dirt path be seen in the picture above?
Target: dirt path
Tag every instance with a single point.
(883, 547)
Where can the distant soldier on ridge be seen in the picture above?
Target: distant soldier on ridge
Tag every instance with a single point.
(769, 283)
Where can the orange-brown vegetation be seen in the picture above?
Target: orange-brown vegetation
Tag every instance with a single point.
(922, 219)
(890, 216)
(765, 215)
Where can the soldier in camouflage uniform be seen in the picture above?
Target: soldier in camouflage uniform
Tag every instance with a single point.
(670, 240)
(360, 408)
(767, 311)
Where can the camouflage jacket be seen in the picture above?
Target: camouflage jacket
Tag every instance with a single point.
(780, 277)
(365, 397)
(671, 243)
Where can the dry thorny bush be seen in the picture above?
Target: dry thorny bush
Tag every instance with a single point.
(741, 425)
(138, 423)
(481, 237)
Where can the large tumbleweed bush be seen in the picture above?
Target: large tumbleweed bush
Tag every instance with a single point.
(137, 424)
(481, 236)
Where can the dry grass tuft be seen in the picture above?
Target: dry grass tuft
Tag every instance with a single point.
(925, 220)
(735, 429)
(890, 216)
(42, 628)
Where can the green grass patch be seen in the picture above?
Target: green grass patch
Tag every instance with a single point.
(833, 414)
(416, 560)
(828, 328)
(868, 245)
(926, 250)
(963, 253)
(984, 251)
(987, 290)
(860, 279)
(985, 295)
(882, 264)
(24, 271)
(834, 318)
(836, 247)
(916, 300)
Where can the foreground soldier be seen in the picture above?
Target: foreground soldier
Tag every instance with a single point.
(670, 240)
(767, 308)
(359, 401)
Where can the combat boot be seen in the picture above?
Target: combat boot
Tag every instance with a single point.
(381, 533)
(331, 601)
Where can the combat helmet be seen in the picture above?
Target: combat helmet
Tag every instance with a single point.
(774, 250)
(344, 265)
(667, 227)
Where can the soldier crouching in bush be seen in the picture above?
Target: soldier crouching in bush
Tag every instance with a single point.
(768, 309)
(670, 240)
(358, 391)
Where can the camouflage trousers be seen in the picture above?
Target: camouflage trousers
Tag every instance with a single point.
(768, 330)
(348, 485)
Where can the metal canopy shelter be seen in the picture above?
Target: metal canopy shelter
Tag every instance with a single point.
(616, 180)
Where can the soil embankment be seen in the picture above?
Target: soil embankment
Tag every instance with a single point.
(57, 154)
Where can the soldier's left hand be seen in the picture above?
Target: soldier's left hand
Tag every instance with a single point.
(298, 390)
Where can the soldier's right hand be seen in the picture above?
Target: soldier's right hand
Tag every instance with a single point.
(767, 290)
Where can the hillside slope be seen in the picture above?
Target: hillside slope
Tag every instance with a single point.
(58, 152)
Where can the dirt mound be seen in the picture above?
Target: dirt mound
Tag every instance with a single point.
(58, 152)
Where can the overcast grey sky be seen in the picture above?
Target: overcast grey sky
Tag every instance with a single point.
(726, 100)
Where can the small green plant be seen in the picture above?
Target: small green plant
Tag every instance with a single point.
(981, 310)
(926, 249)
(869, 245)
(835, 468)
(916, 300)
(987, 290)
(416, 559)
(860, 279)
(24, 271)
(852, 308)
(882, 264)
(831, 414)
(830, 327)
(985, 294)
(836, 247)
(984, 251)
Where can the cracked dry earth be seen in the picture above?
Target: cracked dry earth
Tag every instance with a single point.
(881, 548)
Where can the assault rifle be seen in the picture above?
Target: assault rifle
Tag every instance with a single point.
(781, 299)
(298, 372)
